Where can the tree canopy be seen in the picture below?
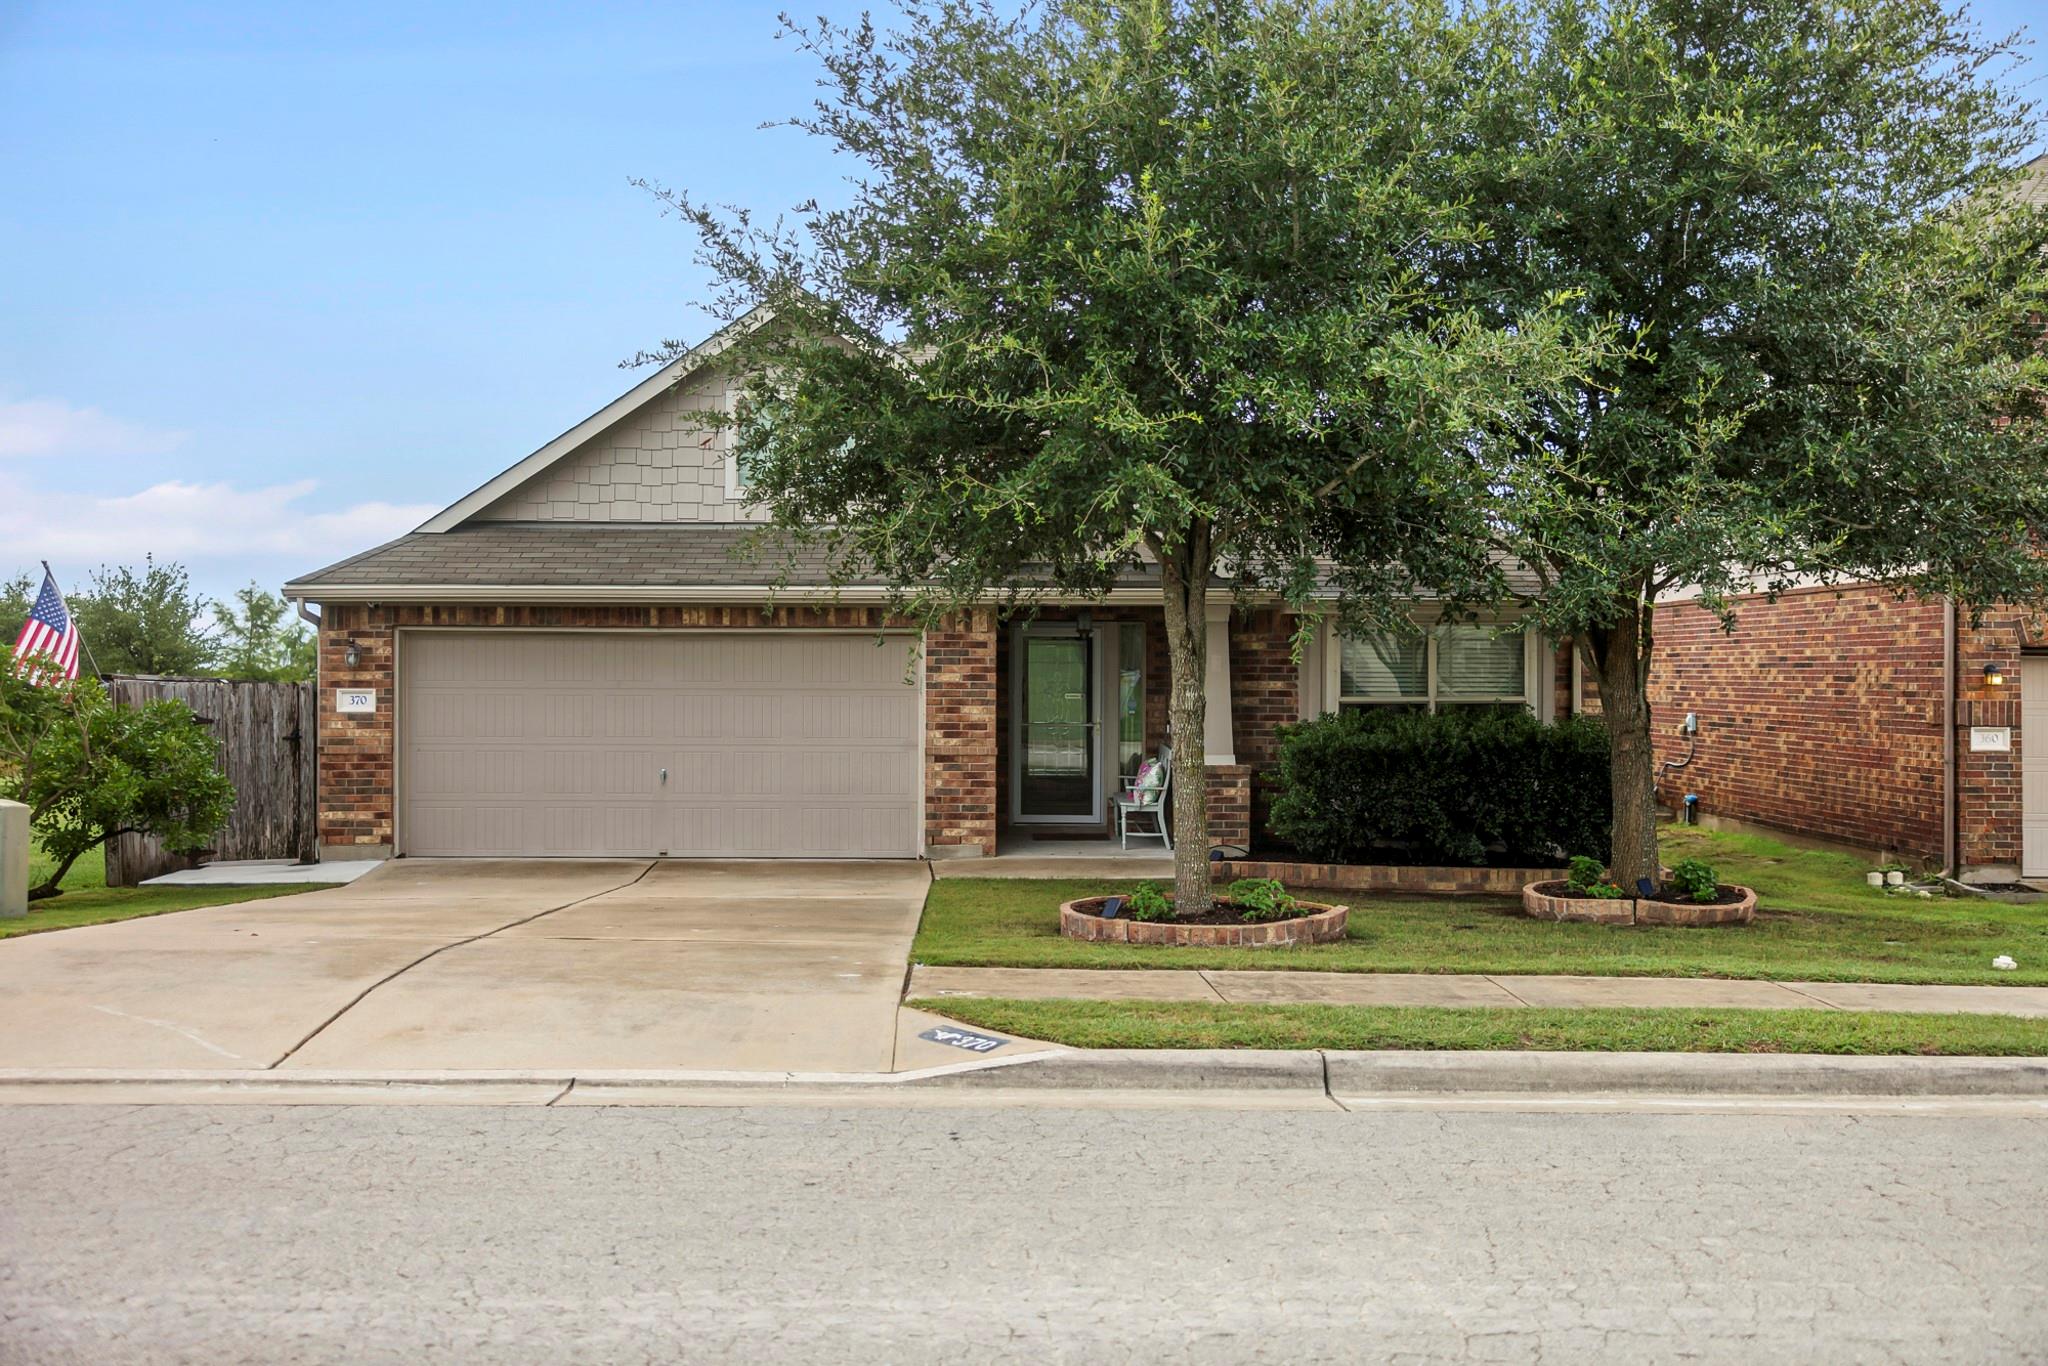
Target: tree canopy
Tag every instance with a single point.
(1138, 288)
(1802, 219)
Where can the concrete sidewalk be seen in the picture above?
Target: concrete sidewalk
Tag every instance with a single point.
(1456, 989)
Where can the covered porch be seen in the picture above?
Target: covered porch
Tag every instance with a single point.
(1081, 703)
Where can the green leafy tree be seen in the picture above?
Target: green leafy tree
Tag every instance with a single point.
(89, 770)
(144, 620)
(255, 638)
(1801, 216)
(1130, 289)
(17, 595)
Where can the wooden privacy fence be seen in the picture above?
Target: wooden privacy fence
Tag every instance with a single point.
(265, 733)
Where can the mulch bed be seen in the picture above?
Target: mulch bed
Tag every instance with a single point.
(1226, 913)
(1667, 895)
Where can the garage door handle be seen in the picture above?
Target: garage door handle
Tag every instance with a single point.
(664, 777)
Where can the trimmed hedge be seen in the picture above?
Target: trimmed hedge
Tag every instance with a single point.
(1454, 787)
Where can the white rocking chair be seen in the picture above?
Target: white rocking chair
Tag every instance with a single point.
(1146, 802)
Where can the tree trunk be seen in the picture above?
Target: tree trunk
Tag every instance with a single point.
(51, 885)
(1620, 658)
(1184, 579)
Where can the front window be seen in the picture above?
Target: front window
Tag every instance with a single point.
(1460, 665)
(739, 471)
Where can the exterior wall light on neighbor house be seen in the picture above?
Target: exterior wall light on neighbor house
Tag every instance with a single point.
(353, 656)
(1994, 676)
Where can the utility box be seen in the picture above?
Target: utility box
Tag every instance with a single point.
(13, 859)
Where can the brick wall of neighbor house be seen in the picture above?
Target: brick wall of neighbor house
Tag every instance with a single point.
(357, 752)
(1821, 714)
(1988, 785)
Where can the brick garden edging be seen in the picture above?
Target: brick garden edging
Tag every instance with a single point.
(1628, 910)
(1325, 926)
(1388, 877)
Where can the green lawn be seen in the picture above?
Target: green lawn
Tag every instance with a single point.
(87, 900)
(1816, 921)
(1179, 1024)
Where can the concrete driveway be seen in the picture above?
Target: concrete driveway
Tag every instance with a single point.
(488, 965)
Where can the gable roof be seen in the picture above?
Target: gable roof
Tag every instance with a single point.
(588, 562)
(620, 408)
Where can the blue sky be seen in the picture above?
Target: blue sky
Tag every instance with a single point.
(277, 281)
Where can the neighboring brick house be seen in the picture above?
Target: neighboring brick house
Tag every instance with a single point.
(1852, 715)
(582, 658)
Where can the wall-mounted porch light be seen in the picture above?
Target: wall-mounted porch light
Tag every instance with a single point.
(1994, 676)
(353, 656)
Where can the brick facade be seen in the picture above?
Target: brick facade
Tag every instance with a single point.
(1265, 694)
(1230, 804)
(357, 752)
(1822, 714)
(960, 771)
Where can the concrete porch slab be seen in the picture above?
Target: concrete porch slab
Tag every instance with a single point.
(268, 872)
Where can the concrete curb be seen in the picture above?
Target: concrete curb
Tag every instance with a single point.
(1749, 1074)
(1155, 1069)
(1139, 1072)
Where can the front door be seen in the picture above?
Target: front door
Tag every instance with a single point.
(1056, 733)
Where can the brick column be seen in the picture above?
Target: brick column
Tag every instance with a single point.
(355, 763)
(960, 770)
(1230, 804)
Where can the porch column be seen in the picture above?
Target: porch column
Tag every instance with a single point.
(1219, 744)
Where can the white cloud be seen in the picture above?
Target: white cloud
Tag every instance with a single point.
(48, 426)
(217, 526)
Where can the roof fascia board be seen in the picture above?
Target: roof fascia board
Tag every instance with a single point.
(710, 595)
(620, 408)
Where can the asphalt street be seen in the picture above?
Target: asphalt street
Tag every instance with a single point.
(908, 1234)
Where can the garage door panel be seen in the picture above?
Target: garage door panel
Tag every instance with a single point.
(796, 745)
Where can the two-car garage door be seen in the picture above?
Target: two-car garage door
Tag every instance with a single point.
(714, 743)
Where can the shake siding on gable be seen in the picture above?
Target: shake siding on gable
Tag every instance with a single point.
(660, 464)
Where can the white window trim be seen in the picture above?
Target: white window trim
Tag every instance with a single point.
(733, 490)
(1533, 656)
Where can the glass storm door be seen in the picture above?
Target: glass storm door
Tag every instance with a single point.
(1056, 752)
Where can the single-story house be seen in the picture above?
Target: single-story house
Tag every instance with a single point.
(579, 658)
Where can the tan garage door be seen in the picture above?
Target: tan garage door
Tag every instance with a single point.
(718, 743)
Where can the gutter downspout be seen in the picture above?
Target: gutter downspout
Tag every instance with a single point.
(1950, 798)
(307, 614)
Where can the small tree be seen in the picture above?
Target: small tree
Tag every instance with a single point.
(89, 770)
(143, 621)
(255, 639)
(1800, 215)
(1129, 289)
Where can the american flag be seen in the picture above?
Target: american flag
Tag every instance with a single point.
(48, 633)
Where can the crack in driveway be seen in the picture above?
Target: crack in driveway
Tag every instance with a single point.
(398, 972)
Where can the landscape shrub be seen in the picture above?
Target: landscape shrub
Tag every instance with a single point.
(1695, 877)
(1259, 899)
(1148, 903)
(1587, 876)
(1453, 787)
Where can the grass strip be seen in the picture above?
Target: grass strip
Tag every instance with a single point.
(1817, 922)
(1189, 1024)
